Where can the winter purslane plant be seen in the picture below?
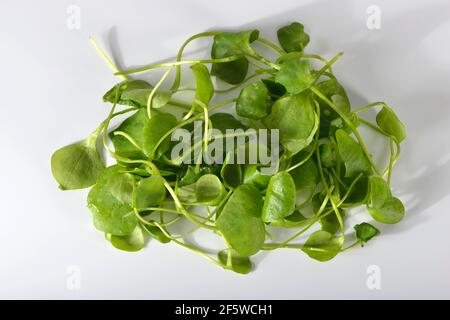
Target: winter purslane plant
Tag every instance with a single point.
(323, 170)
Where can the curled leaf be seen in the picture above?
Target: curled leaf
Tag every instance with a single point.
(293, 37)
(232, 43)
(365, 231)
(391, 124)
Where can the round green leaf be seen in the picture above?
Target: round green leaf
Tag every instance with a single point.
(77, 166)
(132, 242)
(294, 75)
(149, 192)
(296, 119)
(280, 197)
(209, 190)
(110, 202)
(322, 246)
(392, 211)
(240, 220)
(254, 101)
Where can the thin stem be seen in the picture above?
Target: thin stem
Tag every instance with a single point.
(177, 63)
(183, 210)
(177, 80)
(196, 250)
(349, 123)
(271, 45)
(155, 88)
(106, 58)
(327, 66)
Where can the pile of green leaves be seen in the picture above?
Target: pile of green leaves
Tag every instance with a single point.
(324, 168)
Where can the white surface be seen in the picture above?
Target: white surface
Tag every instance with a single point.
(52, 82)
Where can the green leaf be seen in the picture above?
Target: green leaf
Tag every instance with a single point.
(140, 97)
(124, 87)
(392, 211)
(190, 177)
(333, 90)
(232, 43)
(154, 129)
(254, 101)
(149, 192)
(389, 122)
(224, 121)
(352, 155)
(135, 241)
(253, 176)
(330, 223)
(231, 174)
(280, 197)
(293, 37)
(305, 176)
(295, 220)
(239, 264)
(322, 246)
(156, 233)
(294, 75)
(327, 156)
(240, 221)
(274, 87)
(77, 166)
(294, 116)
(110, 202)
(204, 89)
(365, 231)
(381, 205)
(209, 190)
(359, 192)
(187, 193)
(133, 127)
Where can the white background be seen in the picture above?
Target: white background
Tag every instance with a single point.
(51, 86)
